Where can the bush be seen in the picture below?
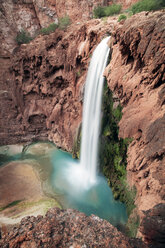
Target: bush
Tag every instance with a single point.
(147, 5)
(112, 9)
(122, 17)
(50, 29)
(107, 11)
(99, 12)
(64, 22)
(23, 37)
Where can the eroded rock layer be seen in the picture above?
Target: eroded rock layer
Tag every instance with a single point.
(137, 75)
(66, 228)
(42, 94)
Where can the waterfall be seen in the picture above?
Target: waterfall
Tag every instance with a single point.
(79, 182)
(92, 111)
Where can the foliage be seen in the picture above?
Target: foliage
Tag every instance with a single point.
(23, 37)
(50, 29)
(147, 5)
(122, 17)
(64, 22)
(99, 12)
(113, 152)
(113, 9)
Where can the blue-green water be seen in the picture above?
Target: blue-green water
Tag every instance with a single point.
(61, 176)
(91, 199)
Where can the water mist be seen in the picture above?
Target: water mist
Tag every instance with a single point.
(79, 181)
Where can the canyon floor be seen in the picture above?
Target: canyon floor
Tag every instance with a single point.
(21, 193)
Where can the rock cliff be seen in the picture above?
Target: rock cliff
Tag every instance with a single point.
(66, 228)
(136, 74)
(42, 96)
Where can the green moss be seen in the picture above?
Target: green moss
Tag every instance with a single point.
(113, 152)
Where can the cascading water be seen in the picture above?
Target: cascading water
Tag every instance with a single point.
(79, 181)
(92, 111)
(78, 184)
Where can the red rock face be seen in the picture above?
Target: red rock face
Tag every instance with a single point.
(66, 228)
(126, 3)
(137, 75)
(46, 84)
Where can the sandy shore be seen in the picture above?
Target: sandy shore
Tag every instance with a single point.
(21, 193)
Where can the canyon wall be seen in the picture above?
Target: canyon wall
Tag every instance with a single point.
(42, 85)
(136, 74)
(31, 15)
(42, 94)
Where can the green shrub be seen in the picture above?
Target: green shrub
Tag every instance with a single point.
(147, 5)
(112, 9)
(106, 11)
(99, 12)
(50, 29)
(64, 22)
(23, 37)
(122, 17)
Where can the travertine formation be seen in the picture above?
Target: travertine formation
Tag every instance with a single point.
(137, 75)
(42, 96)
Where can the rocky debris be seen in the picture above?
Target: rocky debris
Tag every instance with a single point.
(66, 228)
(136, 74)
(153, 226)
(46, 83)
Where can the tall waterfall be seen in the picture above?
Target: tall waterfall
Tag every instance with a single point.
(82, 187)
(92, 111)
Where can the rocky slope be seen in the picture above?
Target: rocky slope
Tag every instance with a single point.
(66, 228)
(137, 75)
(31, 15)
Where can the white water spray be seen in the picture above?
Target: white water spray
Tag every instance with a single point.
(92, 112)
(79, 182)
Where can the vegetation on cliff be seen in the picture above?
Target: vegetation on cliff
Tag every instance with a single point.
(23, 37)
(50, 29)
(147, 5)
(113, 151)
(101, 11)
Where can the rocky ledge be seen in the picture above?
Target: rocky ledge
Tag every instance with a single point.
(137, 75)
(66, 228)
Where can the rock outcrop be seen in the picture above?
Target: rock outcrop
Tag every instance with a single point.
(137, 75)
(66, 228)
(42, 96)
(153, 226)
(31, 15)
